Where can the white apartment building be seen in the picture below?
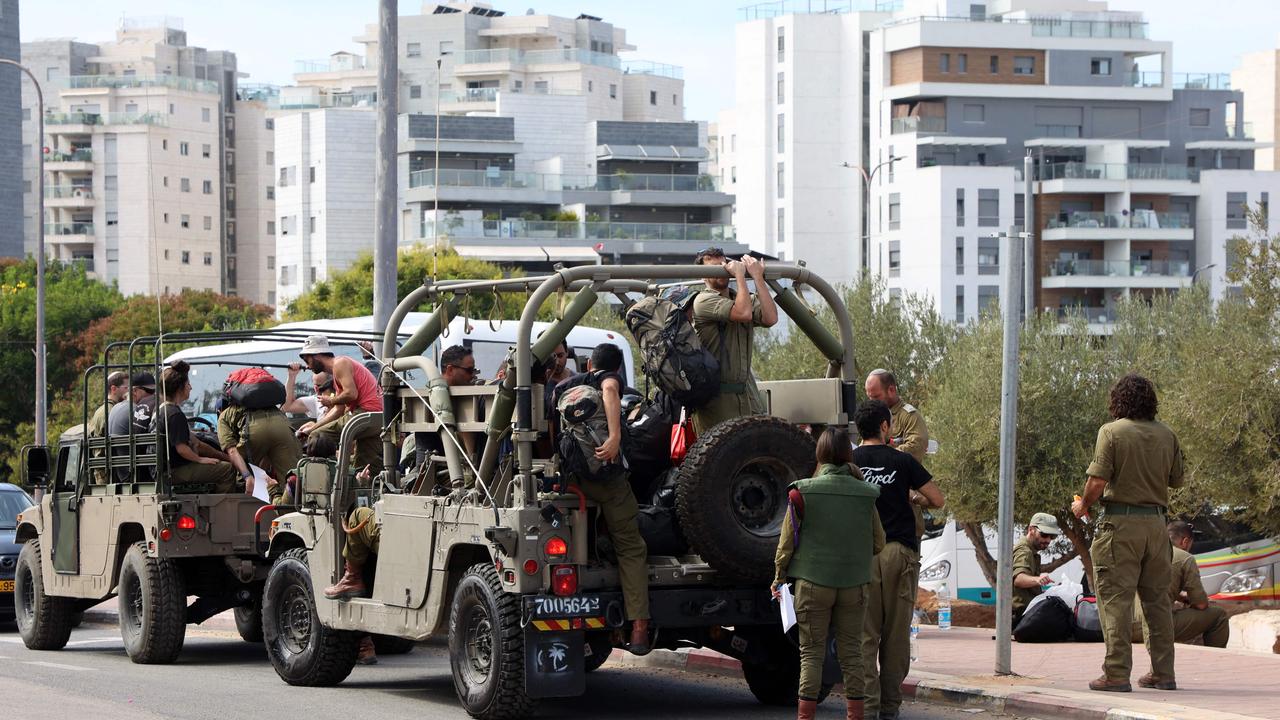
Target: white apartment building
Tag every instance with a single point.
(251, 264)
(1258, 77)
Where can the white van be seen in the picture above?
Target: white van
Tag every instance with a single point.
(948, 556)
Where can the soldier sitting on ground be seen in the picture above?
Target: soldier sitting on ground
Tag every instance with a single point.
(1027, 578)
(1193, 617)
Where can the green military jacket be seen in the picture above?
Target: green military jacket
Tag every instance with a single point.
(832, 544)
(1026, 560)
(1186, 578)
(1139, 459)
(731, 344)
(910, 434)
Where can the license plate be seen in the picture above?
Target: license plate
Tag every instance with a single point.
(6, 586)
(564, 607)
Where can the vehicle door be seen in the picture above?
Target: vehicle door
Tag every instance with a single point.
(65, 504)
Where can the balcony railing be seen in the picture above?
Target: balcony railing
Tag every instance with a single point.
(483, 57)
(1120, 268)
(82, 118)
(1091, 314)
(68, 191)
(512, 56)
(648, 67)
(1045, 26)
(302, 67)
(917, 124)
(554, 182)
(658, 183)
(1145, 219)
(81, 155)
(141, 81)
(81, 228)
(472, 95)
(1243, 132)
(1117, 171)
(1201, 81)
(666, 232)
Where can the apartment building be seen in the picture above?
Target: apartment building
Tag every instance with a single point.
(1140, 172)
(141, 170)
(11, 146)
(1258, 77)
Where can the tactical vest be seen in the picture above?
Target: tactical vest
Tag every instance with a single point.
(836, 538)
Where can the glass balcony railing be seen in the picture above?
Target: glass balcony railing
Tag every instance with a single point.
(512, 56)
(139, 81)
(1144, 219)
(1061, 27)
(473, 95)
(1120, 268)
(658, 183)
(1117, 171)
(67, 191)
(533, 229)
(81, 228)
(81, 155)
(1161, 171)
(82, 118)
(1091, 314)
(1242, 132)
(553, 182)
(479, 179)
(1201, 81)
(916, 124)
(482, 57)
(648, 67)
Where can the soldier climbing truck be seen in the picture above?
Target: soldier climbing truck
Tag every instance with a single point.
(506, 557)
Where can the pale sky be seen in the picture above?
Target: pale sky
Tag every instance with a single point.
(268, 35)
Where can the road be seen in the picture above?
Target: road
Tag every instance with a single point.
(220, 677)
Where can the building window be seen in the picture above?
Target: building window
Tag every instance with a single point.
(895, 211)
(782, 176)
(988, 208)
(184, 185)
(186, 257)
(733, 142)
(889, 168)
(166, 254)
(782, 225)
(988, 295)
(208, 258)
(271, 158)
(204, 115)
(1019, 209)
(207, 187)
(895, 253)
(208, 222)
(415, 92)
(164, 181)
(184, 149)
(988, 257)
(782, 44)
(50, 74)
(995, 64)
(944, 62)
(1236, 219)
(960, 256)
(446, 47)
(975, 113)
(653, 97)
(591, 86)
(311, 174)
(311, 224)
(959, 303)
(675, 100)
(185, 221)
(782, 130)
(1200, 117)
(271, 192)
(171, 109)
(271, 262)
(271, 124)
(271, 227)
(962, 63)
(782, 88)
(613, 91)
(1024, 65)
(1100, 66)
(960, 207)
(286, 274)
(413, 50)
(733, 174)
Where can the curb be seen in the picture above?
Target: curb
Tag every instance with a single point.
(223, 622)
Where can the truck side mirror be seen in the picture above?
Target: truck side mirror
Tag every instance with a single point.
(317, 483)
(36, 466)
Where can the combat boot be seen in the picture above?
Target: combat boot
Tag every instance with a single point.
(1150, 680)
(640, 637)
(806, 709)
(366, 654)
(350, 586)
(853, 709)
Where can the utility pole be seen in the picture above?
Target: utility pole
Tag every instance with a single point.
(42, 383)
(1029, 225)
(1008, 451)
(385, 181)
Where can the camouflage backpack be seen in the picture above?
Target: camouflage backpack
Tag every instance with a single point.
(671, 355)
(583, 428)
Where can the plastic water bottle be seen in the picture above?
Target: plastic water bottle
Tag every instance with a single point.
(944, 608)
(915, 636)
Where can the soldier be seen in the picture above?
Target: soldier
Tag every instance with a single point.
(252, 436)
(886, 634)
(1135, 462)
(907, 432)
(1027, 578)
(357, 391)
(191, 461)
(829, 535)
(117, 390)
(725, 321)
(1193, 617)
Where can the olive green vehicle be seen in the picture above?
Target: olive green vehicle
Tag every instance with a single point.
(515, 571)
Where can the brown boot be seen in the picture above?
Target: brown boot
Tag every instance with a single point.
(1157, 683)
(640, 637)
(853, 709)
(806, 709)
(350, 586)
(366, 655)
(1106, 684)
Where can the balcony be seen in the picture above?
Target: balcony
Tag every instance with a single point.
(1117, 274)
(116, 118)
(1045, 26)
(1138, 225)
(68, 196)
(555, 182)
(472, 95)
(76, 82)
(647, 67)
(917, 124)
(456, 227)
(71, 233)
(1179, 81)
(1111, 177)
(83, 155)
(479, 62)
(1242, 132)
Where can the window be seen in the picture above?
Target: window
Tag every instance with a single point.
(733, 174)
(413, 50)
(1100, 66)
(782, 88)
(185, 221)
(1024, 65)
(782, 44)
(446, 47)
(962, 63)
(1236, 202)
(286, 274)
(782, 225)
(26, 114)
(164, 144)
(184, 184)
(186, 257)
(171, 109)
(110, 182)
(206, 187)
(944, 63)
(271, 157)
(1265, 204)
(988, 257)
(311, 174)
(960, 207)
(271, 297)
(781, 181)
(287, 176)
(895, 211)
(204, 114)
(311, 224)
(988, 208)
(675, 100)
(286, 224)
(271, 192)
(415, 92)
(271, 124)
(889, 168)
(208, 222)
(733, 143)
(183, 149)
(208, 258)
(988, 295)
(975, 113)
(1019, 209)
(653, 97)
(50, 74)
(205, 150)
(1200, 117)
(311, 274)
(959, 303)
(895, 255)
(613, 91)
(591, 86)
(166, 254)
(271, 262)
(165, 181)
(271, 227)
(995, 64)
(782, 130)
(960, 256)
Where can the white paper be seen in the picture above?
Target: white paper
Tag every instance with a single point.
(260, 483)
(787, 605)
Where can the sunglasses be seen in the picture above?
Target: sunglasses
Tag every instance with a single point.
(470, 370)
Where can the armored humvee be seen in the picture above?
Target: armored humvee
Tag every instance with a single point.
(514, 571)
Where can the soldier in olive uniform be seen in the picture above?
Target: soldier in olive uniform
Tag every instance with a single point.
(1135, 462)
(907, 432)
(725, 321)
(829, 535)
(117, 391)
(1193, 617)
(1027, 578)
(262, 437)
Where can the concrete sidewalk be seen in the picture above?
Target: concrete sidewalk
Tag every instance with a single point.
(956, 668)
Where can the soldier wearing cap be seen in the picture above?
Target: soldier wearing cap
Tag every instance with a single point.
(355, 390)
(1135, 462)
(1027, 578)
(1193, 617)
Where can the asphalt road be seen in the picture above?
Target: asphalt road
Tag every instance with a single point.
(220, 677)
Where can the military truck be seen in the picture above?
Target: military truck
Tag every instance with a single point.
(109, 523)
(513, 571)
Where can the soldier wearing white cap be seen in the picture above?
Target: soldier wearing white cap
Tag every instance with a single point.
(1027, 578)
(355, 391)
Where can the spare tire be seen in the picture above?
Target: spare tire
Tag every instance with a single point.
(731, 492)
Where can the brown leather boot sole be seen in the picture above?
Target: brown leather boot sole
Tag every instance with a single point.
(1151, 681)
(347, 593)
(1105, 684)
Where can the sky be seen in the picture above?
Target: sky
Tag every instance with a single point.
(269, 35)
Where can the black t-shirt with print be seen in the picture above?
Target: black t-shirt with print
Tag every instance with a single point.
(896, 473)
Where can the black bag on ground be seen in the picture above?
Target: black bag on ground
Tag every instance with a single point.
(1048, 621)
(1087, 623)
(672, 356)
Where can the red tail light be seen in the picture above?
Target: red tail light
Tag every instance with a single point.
(186, 522)
(556, 547)
(530, 567)
(166, 534)
(564, 579)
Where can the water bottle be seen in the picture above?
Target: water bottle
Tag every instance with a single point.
(915, 636)
(944, 608)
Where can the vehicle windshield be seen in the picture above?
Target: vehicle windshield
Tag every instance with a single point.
(12, 503)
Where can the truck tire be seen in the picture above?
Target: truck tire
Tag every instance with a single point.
(152, 606)
(249, 623)
(392, 645)
(486, 647)
(302, 650)
(601, 645)
(44, 622)
(776, 681)
(731, 492)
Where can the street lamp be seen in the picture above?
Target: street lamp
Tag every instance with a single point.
(42, 398)
(1201, 269)
(866, 202)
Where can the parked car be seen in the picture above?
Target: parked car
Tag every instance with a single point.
(13, 500)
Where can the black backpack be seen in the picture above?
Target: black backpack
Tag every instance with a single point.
(671, 354)
(1048, 621)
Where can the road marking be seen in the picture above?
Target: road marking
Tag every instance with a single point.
(56, 666)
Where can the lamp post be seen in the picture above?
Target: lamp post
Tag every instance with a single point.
(1201, 269)
(42, 396)
(867, 177)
